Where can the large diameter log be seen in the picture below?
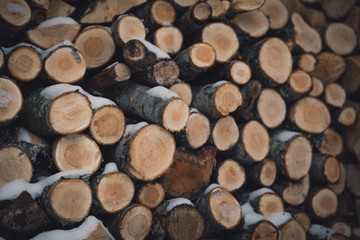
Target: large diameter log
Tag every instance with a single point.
(190, 172)
(127, 27)
(158, 105)
(224, 133)
(151, 195)
(340, 38)
(67, 201)
(324, 169)
(178, 219)
(271, 108)
(292, 153)
(262, 174)
(145, 152)
(57, 109)
(11, 101)
(329, 68)
(230, 175)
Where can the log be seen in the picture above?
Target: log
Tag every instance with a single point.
(190, 172)
(151, 195)
(351, 139)
(59, 9)
(262, 174)
(340, 38)
(235, 71)
(329, 67)
(2, 60)
(127, 27)
(336, 9)
(195, 17)
(266, 204)
(340, 185)
(292, 193)
(145, 151)
(292, 153)
(318, 232)
(238, 5)
(346, 116)
(77, 151)
(158, 105)
(334, 95)
(304, 219)
(277, 13)
(169, 39)
(322, 203)
(177, 219)
(230, 175)
(260, 230)
(342, 227)
(184, 90)
(251, 25)
(67, 201)
(292, 229)
(96, 45)
(352, 177)
(307, 62)
(224, 133)
(317, 87)
(332, 144)
(57, 109)
(271, 108)
(298, 85)
(11, 101)
(316, 18)
(324, 169)
(218, 8)
(350, 81)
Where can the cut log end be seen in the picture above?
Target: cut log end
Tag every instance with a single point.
(11, 100)
(347, 116)
(254, 24)
(334, 95)
(202, 55)
(107, 125)
(176, 115)
(77, 151)
(15, 164)
(151, 195)
(197, 130)
(307, 62)
(218, 8)
(70, 113)
(268, 173)
(24, 63)
(332, 169)
(269, 204)
(162, 11)
(342, 228)
(225, 133)
(271, 108)
(71, 200)
(240, 72)
(340, 38)
(256, 140)
(291, 230)
(337, 9)
(129, 27)
(275, 60)
(135, 223)
(169, 39)
(265, 230)
(300, 82)
(222, 38)
(201, 12)
(295, 193)
(65, 65)
(324, 203)
(239, 5)
(231, 175)
(115, 191)
(184, 3)
(310, 115)
(333, 144)
(304, 219)
(329, 68)
(151, 153)
(339, 186)
(165, 73)
(15, 12)
(277, 13)
(317, 87)
(183, 90)
(227, 98)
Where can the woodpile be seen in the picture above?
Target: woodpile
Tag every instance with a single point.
(179, 119)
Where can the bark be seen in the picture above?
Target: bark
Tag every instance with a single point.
(250, 93)
(224, 133)
(291, 228)
(262, 174)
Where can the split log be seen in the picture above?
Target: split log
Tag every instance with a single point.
(127, 27)
(337, 9)
(340, 38)
(239, 5)
(104, 81)
(277, 13)
(339, 186)
(195, 17)
(190, 172)
(332, 144)
(57, 109)
(251, 25)
(262, 174)
(292, 153)
(184, 90)
(145, 151)
(77, 151)
(271, 108)
(230, 175)
(317, 87)
(11, 101)
(217, 100)
(346, 116)
(218, 8)
(53, 31)
(219, 208)
(158, 105)
(151, 195)
(196, 132)
(132, 223)
(224, 133)
(307, 62)
(292, 229)
(169, 39)
(298, 85)
(329, 67)
(67, 201)
(266, 203)
(96, 45)
(350, 80)
(322, 203)
(177, 219)
(261, 230)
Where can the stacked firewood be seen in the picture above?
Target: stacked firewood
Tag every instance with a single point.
(179, 119)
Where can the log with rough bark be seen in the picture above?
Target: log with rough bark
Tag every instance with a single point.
(195, 17)
(184, 90)
(322, 203)
(251, 25)
(324, 169)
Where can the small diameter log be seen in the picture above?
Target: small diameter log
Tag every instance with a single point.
(158, 105)
(77, 151)
(322, 202)
(151, 195)
(132, 223)
(219, 208)
(105, 11)
(217, 100)
(292, 153)
(184, 90)
(2, 60)
(104, 81)
(304, 219)
(334, 95)
(246, 6)
(262, 174)
(127, 27)
(317, 87)
(222, 38)
(291, 229)
(253, 146)
(292, 193)
(267, 203)
(53, 31)
(224, 133)
(339, 186)
(261, 230)
(310, 115)
(190, 172)
(236, 71)
(11, 101)
(307, 62)
(340, 38)
(298, 85)
(271, 108)
(329, 67)
(183, 4)
(177, 219)
(346, 116)
(151, 64)
(67, 201)
(218, 8)
(196, 132)
(277, 13)
(15, 163)
(194, 60)
(169, 39)
(253, 24)
(353, 19)
(195, 17)
(352, 178)
(337, 9)
(57, 109)
(305, 36)
(342, 228)
(145, 151)
(112, 192)
(230, 175)
(24, 63)
(332, 144)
